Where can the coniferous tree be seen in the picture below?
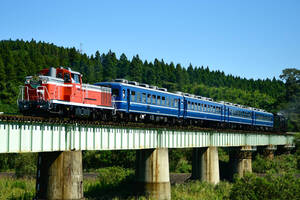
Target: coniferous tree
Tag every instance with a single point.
(135, 71)
(98, 67)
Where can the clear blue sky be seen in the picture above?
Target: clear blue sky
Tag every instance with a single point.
(252, 39)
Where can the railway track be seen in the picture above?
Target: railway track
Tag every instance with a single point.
(15, 118)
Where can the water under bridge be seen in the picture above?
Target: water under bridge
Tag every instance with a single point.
(59, 145)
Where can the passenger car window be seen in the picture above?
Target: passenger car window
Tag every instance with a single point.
(153, 99)
(144, 98)
(176, 103)
(149, 98)
(163, 101)
(139, 97)
(132, 95)
(158, 100)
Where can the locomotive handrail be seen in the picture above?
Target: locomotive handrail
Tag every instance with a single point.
(26, 88)
(21, 93)
(44, 88)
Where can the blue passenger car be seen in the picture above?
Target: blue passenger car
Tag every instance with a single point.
(262, 118)
(237, 114)
(131, 97)
(200, 108)
(143, 100)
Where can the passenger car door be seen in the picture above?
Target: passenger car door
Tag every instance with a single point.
(128, 100)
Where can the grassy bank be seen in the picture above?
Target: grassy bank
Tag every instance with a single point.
(118, 183)
(17, 189)
(279, 182)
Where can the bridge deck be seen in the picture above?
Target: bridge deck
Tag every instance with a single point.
(36, 137)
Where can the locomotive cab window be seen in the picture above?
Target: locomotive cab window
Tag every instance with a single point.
(67, 78)
(59, 75)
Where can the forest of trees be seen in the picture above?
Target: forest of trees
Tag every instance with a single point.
(21, 58)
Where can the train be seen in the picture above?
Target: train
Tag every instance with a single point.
(60, 92)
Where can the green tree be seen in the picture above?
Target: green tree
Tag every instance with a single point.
(135, 71)
(292, 105)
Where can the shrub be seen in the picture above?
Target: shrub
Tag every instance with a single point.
(201, 190)
(280, 164)
(252, 187)
(183, 166)
(99, 159)
(112, 182)
(25, 165)
(114, 175)
(179, 157)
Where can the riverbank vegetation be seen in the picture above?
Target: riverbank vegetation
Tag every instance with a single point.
(118, 183)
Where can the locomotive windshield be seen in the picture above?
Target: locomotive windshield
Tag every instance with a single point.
(75, 78)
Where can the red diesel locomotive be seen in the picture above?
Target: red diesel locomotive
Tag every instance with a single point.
(61, 91)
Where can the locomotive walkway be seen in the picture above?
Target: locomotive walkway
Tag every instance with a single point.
(59, 173)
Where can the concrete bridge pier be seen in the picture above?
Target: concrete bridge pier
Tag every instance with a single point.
(269, 151)
(59, 176)
(152, 173)
(285, 149)
(205, 165)
(241, 160)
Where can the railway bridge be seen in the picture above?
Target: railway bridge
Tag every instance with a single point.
(60, 147)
